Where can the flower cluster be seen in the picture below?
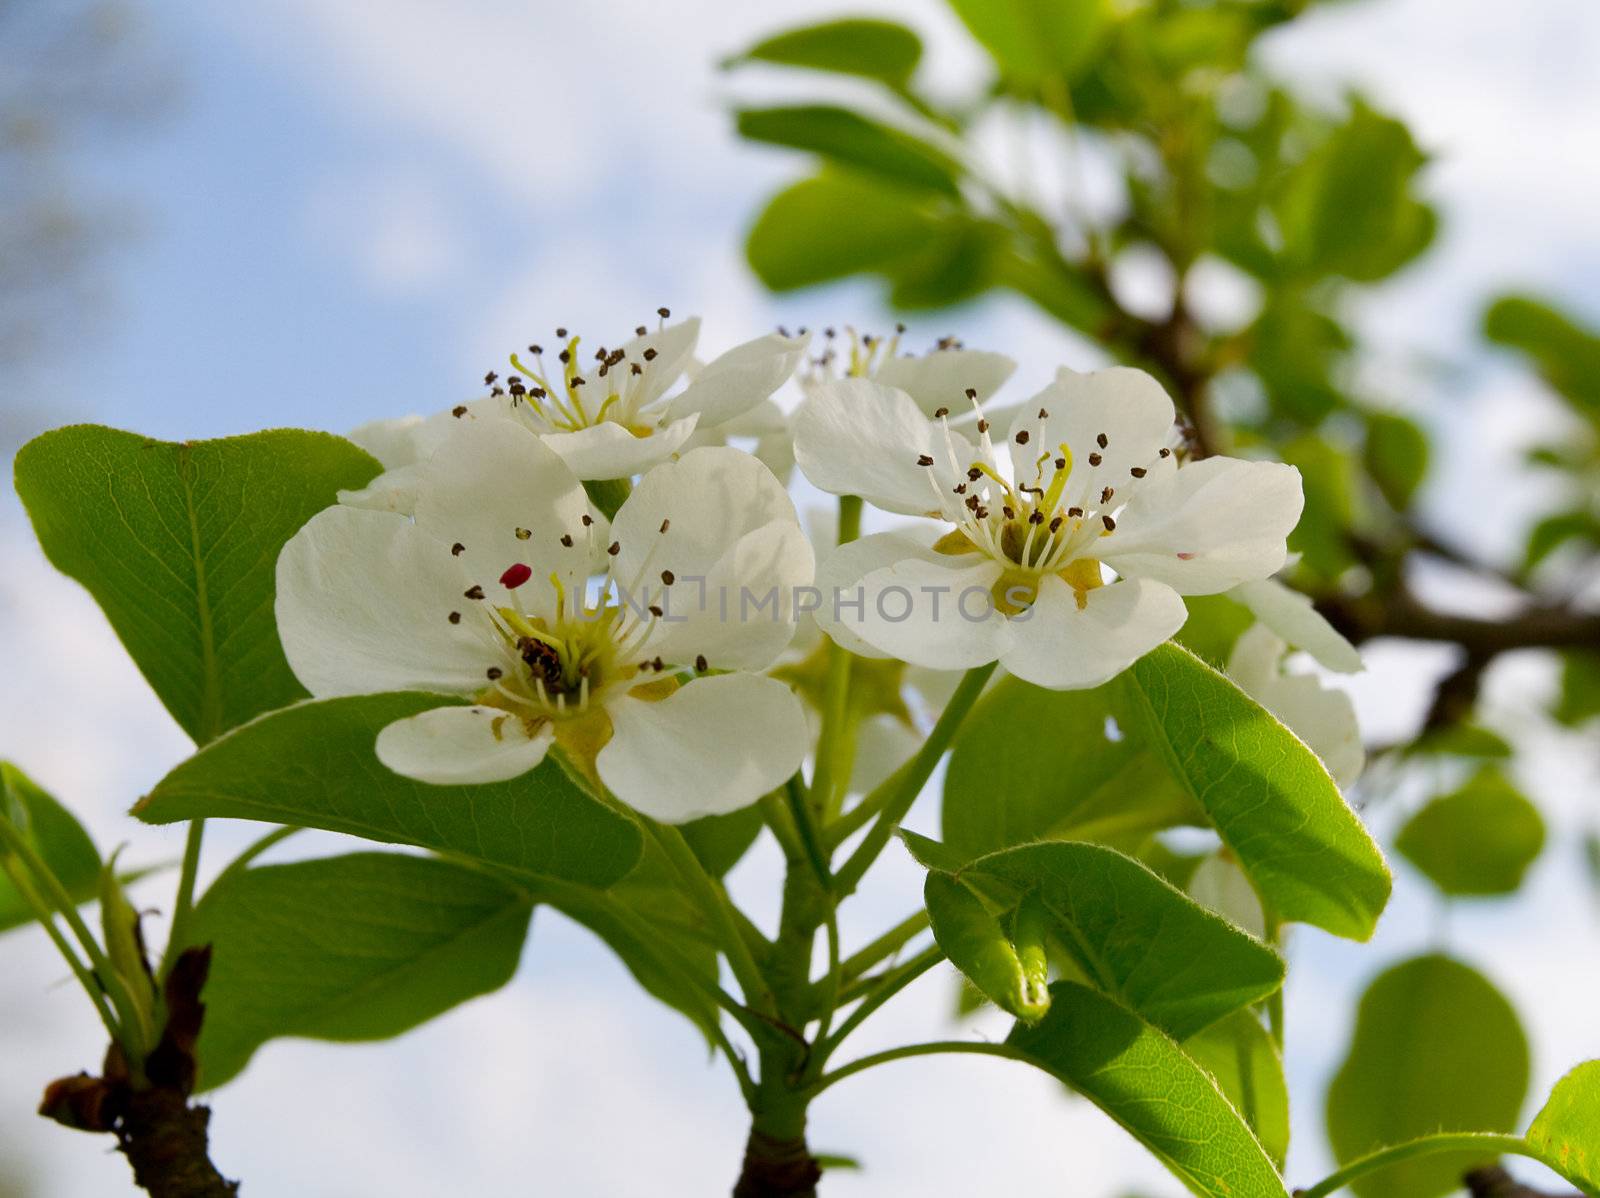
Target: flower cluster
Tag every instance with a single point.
(586, 565)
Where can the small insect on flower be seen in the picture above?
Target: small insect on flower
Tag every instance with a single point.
(1067, 560)
(578, 635)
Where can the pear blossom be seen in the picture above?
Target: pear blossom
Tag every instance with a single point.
(488, 594)
(612, 417)
(1068, 561)
(401, 446)
(1290, 614)
(1321, 716)
(937, 379)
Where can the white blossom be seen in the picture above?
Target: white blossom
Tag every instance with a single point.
(1323, 717)
(1067, 562)
(488, 593)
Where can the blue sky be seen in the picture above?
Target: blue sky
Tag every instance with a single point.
(350, 215)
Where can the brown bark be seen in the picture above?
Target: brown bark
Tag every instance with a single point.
(164, 1139)
(777, 1168)
(1495, 1182)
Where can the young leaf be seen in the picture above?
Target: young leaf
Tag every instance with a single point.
(854, 141)
(1396, 455)
(178, 543)
(359, 947)
(1268, 796)
(1566, 1133)
(55, 833)
(1241, 1058)
(1132, 935)
(1567, 354)
(874, 49)
(980, 948)
(1436, 1048)
(1144, 1081)
(1479, 840)
(1071, 781)
(834, 225)
(313, 765)
(1033, 40)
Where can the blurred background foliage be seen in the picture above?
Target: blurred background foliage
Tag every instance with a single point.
(1243, 226)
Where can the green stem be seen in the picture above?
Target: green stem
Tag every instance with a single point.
(918, 1050)
(714, 904)
(1467, 1141)
(835, 746)
(42, 913)
(184, 904)
(892, 983)
(890, 942)
(806, 831)
(894, 798)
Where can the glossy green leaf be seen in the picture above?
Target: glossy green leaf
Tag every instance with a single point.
(57, 836)
(1241, 1058)
(1131, 934)
(1033, 40)
(1349, 208)
(313, 765)
(1268, 796)
(875, 49)
(853, 141)
(1566, 1133)
(1396, 456)
(1436, 1048)
(1566, 354)
(1479, 840)
(976, 943)
(178, 543)
(1061, 774)
(1153, 1089)
(834, 225)
(359, 947)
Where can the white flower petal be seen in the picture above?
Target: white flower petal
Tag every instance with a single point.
(1126, 406)
(741, 378)
(741, 613)
(884, 743)
(392, 442)
(461, 746)
(1219, 885)
(1290, 614)
(1209, 526)
(607, 450)
(363, 605)
(936, 613)
(491, 479)
(712, 746)
(1323, 717)
(708, 499)
(839, 574)
(670, 351)
(941, 379)
(395, 490)
(1062, 647)
(855, 437)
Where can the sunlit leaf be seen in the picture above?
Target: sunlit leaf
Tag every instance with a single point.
(1032, 40)
(178, 543)
(1436, 1048)
(1566, 1133)
(313, 765)
(1268, 796)
(1153, 1089)
(1241, 1058)
(834, 225)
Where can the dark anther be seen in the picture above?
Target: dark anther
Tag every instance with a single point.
(666, 524)
(489, 378)
(940, 413)
(566, 540)
(701, 664)
(1165, 452)
(1101, 441)
(493, 672)
(1075, 512)
(1095, 459)
(562, 333)
(663, 312)
(668, 578)
(1036, 518)
(524, 533)
(474, 592)
(655, 610)
(1108, 522)
(972, 393)
(459, 411)
(640, 331)
(587, 519)
(614, 548)
(924, 460)
(983, 427)
(1137, 471)
(457, 549)
(455, 617)
(650, 354)
(1106, 494)
(1022, 437)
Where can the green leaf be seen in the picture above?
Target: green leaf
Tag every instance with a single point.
(1436, 1048)
(1557, 530)
(980, 948)
(1479, 840)
(1396, 455)
(359, 947)
(1566, 354)
(874, 49)
(1268, 796)
(178, 543)
(720, 841)
(1322, 537)
(833, 225)
(1147, 1084)
(955, 264)
(1349, 210)
(1066, 780)
(1566, 1133)
(1580, 688)
(854, 141)
(1131, 934)
(1034, 40)
(57, 836)
(313, 765)
(1215, 623)
(1241, 1058)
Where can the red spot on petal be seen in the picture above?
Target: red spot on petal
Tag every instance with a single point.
(515, 576)
(1184, 557)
